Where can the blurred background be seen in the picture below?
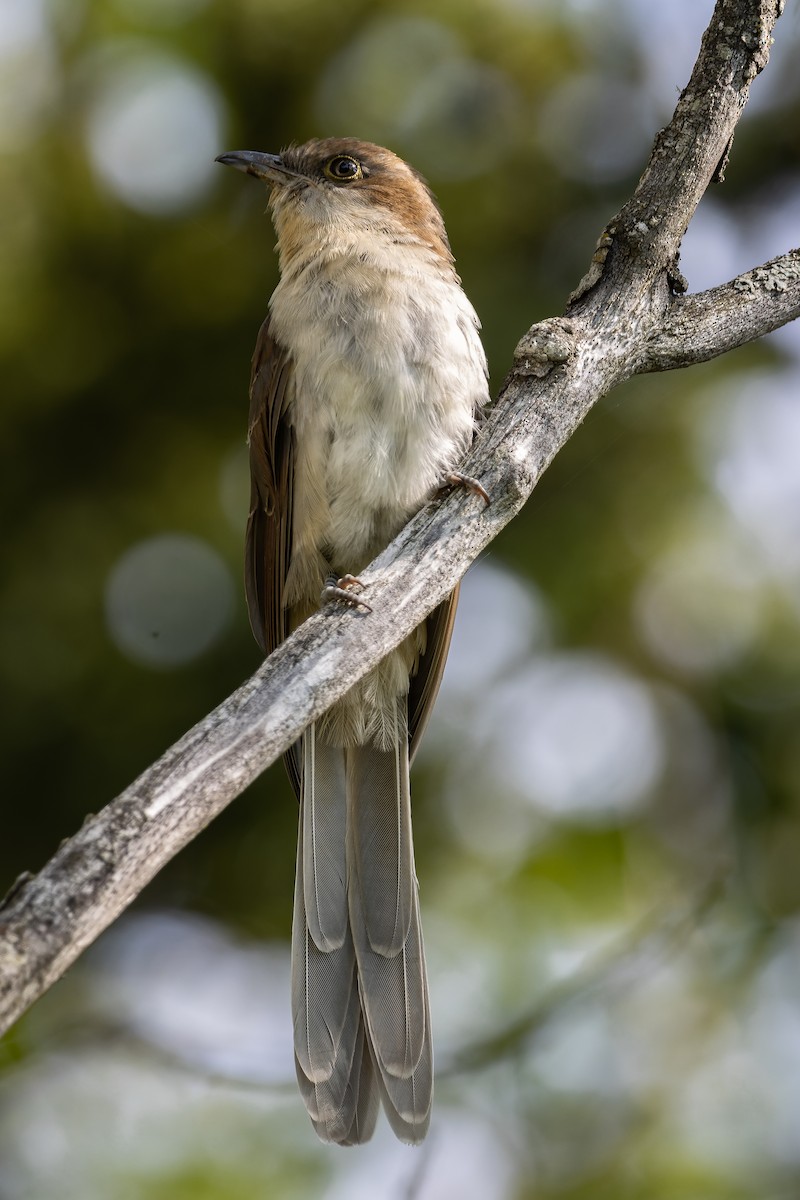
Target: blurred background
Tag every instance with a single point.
(607, 805)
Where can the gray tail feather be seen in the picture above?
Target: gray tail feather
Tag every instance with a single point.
(359, 989)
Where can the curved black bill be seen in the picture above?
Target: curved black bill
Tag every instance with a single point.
(253, 162)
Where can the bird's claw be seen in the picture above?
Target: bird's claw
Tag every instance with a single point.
(458, 479)
(342, 591)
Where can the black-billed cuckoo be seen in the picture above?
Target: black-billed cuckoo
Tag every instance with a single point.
(367, 377)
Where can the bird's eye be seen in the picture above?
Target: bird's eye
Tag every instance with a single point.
(343, 169)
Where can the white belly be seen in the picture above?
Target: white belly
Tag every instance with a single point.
(389, 371)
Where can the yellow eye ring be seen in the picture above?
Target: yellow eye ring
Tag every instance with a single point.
(343, 169)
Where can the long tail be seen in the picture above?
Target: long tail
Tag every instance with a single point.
(359, 989)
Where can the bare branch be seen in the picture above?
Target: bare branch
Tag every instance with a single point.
(562, 367)
(690, 152)
(710, 323)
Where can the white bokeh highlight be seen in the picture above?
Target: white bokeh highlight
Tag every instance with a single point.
(22, 26)
(751, 447)
(464, 1157)
(501, 620)
(567, 736)
(578, 736)
(153, 129)
(700, 607)
(30, 74)
(168, 599)
(185, 983)
(713, 249)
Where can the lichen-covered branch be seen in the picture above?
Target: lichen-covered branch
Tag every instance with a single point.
(693, 149)
(710, 323)
(623, 318)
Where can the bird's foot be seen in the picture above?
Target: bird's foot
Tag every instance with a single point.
(343, 591)
(458, 479)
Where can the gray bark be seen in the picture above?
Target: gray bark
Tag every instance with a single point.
(626, 316)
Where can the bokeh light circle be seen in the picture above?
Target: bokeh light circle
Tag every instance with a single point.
(168, 599)
(153, 130)
(579, 737)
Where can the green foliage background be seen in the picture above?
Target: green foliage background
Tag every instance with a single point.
(634, 942)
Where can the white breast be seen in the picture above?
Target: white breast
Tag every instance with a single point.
(389, 371)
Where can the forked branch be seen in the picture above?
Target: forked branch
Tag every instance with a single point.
(624, 318)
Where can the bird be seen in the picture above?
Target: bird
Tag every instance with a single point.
(367, 384)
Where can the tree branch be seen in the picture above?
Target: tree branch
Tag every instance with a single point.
(623, 317)
(710, 323)
(693, 149)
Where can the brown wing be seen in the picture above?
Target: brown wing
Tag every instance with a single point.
(269, 537)
(269, 525)
(425, 683)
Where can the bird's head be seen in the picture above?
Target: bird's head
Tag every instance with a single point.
(333, 187)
